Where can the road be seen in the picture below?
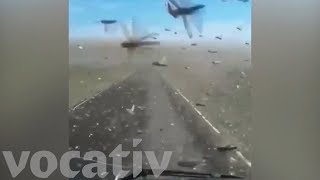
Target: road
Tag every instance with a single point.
(163, 118)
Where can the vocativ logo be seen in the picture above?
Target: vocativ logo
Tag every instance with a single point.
(99, 159)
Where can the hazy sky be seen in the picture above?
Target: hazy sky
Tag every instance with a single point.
(219, 18)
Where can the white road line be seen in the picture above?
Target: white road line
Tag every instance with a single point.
(204, 118)
(197, 111)
(215, 129)
(84, 101)
(74, 108)
(97, 94)
(183, 96)
(244, 158)
(232, 159)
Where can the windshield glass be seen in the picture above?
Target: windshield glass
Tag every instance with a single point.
(156, 86)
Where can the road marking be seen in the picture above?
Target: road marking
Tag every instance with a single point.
(84, 101)
(244, 158)
(200, 114)
(197, 111)
(97, 94)
(232, 159)
(215, 129)
(75, 107)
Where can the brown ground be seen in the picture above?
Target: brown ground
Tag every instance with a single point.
(224, 88)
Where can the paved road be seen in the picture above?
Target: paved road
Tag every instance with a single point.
(162, 118)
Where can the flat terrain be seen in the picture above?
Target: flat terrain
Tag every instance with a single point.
(105, 82)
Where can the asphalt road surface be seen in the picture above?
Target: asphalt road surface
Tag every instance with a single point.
(162, 118)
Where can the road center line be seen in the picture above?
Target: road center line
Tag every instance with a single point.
(200, 114)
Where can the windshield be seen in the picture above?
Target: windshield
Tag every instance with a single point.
(149, 89)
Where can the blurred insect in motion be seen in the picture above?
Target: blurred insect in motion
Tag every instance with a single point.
(107, 24)
(189, 13)
(163, 62)
(239, 28)
(219, 37)
(137, 37)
